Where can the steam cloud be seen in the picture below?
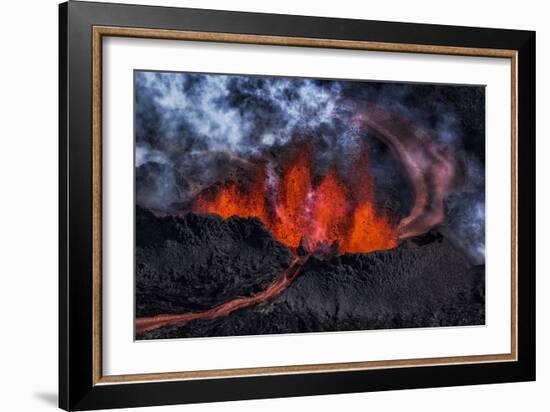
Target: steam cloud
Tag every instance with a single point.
(193, 130)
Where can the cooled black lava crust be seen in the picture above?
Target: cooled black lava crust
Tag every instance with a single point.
(196, 262)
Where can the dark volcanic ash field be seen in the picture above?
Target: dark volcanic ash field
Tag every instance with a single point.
(196, 262)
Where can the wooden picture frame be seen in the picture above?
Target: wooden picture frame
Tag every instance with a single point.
(82, 384)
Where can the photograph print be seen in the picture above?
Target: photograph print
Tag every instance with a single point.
(276, 205)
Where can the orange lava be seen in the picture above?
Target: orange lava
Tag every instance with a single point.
(329, 213)
(233, 200)
(292, 192)
(296, 210)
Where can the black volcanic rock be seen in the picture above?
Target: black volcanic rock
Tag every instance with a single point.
(196, 262)
(425, 282)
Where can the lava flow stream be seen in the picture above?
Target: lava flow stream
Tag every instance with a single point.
(285, 279)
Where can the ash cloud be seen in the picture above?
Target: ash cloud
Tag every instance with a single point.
(193, 130)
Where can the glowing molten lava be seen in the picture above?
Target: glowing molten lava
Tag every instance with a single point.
(298, 211)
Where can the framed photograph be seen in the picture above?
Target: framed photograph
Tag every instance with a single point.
(256, 206)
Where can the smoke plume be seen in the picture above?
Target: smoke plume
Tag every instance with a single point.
(425, 142)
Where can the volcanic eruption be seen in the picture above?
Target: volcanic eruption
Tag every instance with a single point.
(349, 188)
(301, 212)
(328, 215)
